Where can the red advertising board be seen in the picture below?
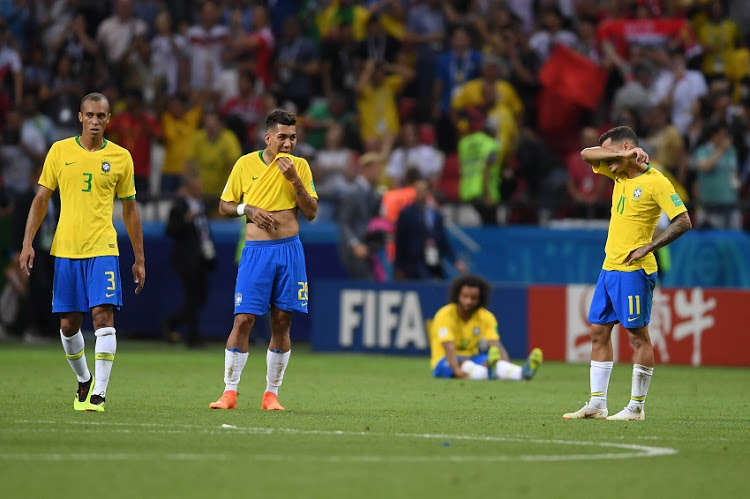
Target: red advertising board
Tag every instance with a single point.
(692, 326)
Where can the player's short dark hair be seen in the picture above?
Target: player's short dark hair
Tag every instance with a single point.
(280, 117)
(93, 96)
(472, 281)
(620, 134)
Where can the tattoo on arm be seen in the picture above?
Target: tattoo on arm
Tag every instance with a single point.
(678, 227)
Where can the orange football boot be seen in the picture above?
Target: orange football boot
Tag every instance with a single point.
(228, 400)
(271, 402)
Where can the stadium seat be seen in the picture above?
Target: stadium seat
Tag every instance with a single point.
(447, 186)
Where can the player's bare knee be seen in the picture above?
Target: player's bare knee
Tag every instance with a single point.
(102, 316)
(243, 323)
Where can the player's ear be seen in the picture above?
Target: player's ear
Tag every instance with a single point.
(80, 117)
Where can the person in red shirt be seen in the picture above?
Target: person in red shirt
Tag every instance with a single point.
(135, 129)
(589, 193)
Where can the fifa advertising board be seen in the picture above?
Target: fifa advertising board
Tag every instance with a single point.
(395, 317)
(690, 326)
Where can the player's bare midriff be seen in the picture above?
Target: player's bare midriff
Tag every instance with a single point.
(285, 225)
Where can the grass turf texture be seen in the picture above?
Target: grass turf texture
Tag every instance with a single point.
(361, 426)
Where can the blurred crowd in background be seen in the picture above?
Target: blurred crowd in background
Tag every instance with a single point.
(474, 109)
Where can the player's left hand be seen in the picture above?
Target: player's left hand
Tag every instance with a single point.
(287, 168)
(636, 254)
(139, 276)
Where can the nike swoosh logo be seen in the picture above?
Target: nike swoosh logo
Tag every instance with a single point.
(68, 164)
(109, 295)
(304, 304)
(255, 178)
(631, 319)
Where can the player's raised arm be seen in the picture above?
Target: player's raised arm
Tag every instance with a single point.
(597, 154)
(307, 204)
(132, 218)
(36, 214)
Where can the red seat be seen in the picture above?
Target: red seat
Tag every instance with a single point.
(447, 186)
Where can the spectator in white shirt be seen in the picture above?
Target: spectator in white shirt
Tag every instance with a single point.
(679, 88)
(427, 159)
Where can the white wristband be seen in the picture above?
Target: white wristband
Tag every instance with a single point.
(241, 209)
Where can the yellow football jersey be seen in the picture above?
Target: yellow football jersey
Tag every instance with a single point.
(637, 204)
(448, 326)
(89, 181)
(257, 184)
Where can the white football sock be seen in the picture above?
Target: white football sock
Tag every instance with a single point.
(505, 370)
(74, 351)
(276, 363)
(234, 363)
(106, 347)
(639, 388)
(474, 371)
(599, 374)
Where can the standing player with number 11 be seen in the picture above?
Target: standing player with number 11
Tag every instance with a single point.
(626, 283)
(90, 172)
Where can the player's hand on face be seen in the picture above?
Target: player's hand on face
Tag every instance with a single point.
(640, 155)
(139, 276)
(287, 168)
(262, 218)
(636, 254)
(26, 260)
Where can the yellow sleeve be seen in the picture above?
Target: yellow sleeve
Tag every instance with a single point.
(305, 175)
(489, 327)
(667, 199)
(459, 99)
(603, 169)
(48, 177)
(233, 190)
(442, 329)
(126, 185)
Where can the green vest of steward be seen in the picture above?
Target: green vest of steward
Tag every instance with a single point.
(474, 150)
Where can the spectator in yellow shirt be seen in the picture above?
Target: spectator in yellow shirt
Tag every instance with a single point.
(213, 152)
(179, 124)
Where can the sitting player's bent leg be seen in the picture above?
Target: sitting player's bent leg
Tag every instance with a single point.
(475, 371)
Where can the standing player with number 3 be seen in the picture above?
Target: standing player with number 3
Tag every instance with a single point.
(626, 283)
(90, 172)
(269, 187)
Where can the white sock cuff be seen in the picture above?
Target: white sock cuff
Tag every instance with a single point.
(281, 356)
(648, 371)
(72, 344)
(607, 364)
(104, 331)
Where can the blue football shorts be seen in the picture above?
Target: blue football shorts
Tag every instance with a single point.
(271, 272)
(81, 284)
(623, 297)
(443, 369)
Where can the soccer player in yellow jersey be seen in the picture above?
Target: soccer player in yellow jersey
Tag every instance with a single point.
(90, 172)
(269, 187)
(457, 330)
(626, 283)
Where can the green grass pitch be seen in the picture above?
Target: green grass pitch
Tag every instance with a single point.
(362, 426)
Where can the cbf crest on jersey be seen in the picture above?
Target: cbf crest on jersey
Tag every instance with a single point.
(477, 331)
(637, 193)
(106, 166)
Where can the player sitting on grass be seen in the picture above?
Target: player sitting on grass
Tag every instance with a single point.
(457, 330)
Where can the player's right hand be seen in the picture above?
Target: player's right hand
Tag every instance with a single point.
(261, 218)
(460, 374)
(26, 260)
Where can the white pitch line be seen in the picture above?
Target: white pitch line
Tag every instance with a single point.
(164, 428)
